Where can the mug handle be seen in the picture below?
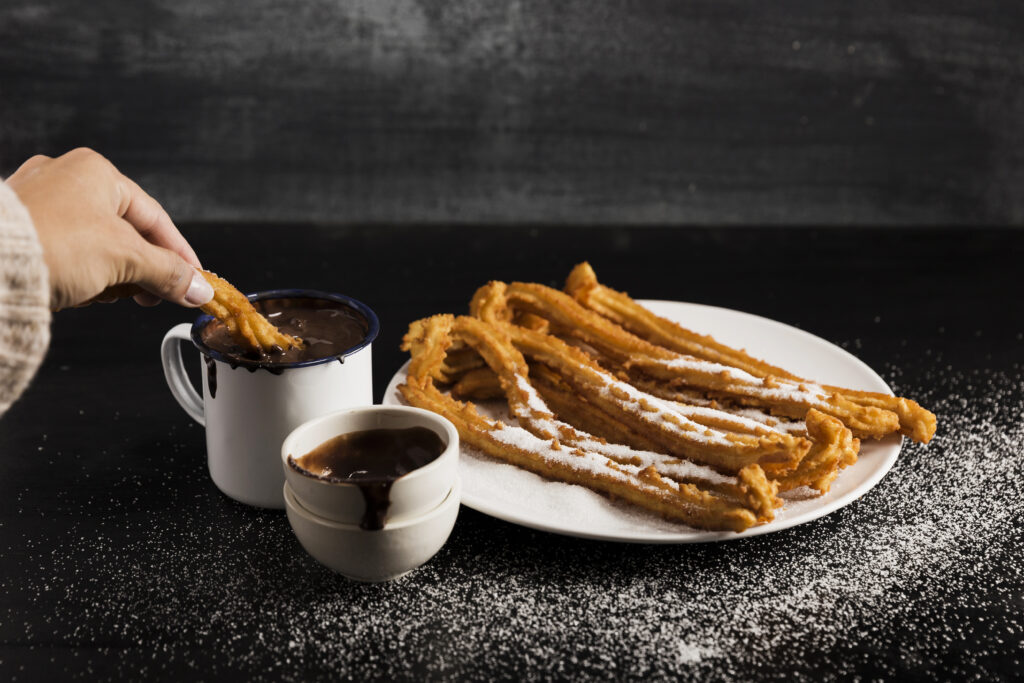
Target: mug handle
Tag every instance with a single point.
(174, 371)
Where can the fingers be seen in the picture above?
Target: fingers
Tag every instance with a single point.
(165, 274)
(118, 292)
(146, 299)
(103, 237)
(151, 221)
(114, 294)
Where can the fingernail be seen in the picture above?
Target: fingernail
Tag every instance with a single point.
(199, 290)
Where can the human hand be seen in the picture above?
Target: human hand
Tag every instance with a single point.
(103, 237)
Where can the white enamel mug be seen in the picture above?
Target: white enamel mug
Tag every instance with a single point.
(249, 410)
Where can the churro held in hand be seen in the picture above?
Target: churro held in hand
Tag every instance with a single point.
(246, 325)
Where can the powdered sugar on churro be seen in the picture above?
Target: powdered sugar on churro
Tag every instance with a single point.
(541, 419)
(658, 411)
(536, 415)
(579, 456)
(683, 470)
(766, 418)
(739, 421)
(535, 402)
(576, 458)
(710, 368)
(535, 411)
(774, 388)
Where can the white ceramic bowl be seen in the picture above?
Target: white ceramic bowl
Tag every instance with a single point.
(412, 494)
(373, 555)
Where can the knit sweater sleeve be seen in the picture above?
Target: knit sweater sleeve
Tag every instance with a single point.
(24, 299)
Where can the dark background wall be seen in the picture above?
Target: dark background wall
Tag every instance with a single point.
(587, 111)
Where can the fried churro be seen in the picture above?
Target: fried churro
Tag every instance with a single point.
(913, 420)
(499, 301)
(655, 418)
(678, 489)
(247, 327)
(615, 398)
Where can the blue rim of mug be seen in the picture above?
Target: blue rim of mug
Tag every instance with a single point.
(373, 328)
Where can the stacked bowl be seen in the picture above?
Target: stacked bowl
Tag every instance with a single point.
(372, 531)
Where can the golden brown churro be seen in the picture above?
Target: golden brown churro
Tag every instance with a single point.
(479, 384)
(617, 307)
(914, 421)
(787, 397)
(655, 418)
(249, 329)
(612, 397)
(677, 489)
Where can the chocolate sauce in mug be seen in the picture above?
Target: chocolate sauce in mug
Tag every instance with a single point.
(327, 328)
(372, 460)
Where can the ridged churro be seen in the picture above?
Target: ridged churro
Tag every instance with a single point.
(914, 421)
(610, 396)
(499, 301)
(679, 489)
(247, 327)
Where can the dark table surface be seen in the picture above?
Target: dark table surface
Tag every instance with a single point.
(121, 559)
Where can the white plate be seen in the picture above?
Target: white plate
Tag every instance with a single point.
(515, 495)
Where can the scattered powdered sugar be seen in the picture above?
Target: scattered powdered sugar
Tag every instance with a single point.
(921, 577)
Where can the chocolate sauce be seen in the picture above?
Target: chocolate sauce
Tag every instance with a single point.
(372, 460)
(211, 375)
(327, 328)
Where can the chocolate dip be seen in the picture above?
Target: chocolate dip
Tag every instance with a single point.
(372, 460)
(327, 328)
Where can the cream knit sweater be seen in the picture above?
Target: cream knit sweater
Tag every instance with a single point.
(24, 299)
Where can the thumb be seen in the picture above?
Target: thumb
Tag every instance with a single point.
(164, 273)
